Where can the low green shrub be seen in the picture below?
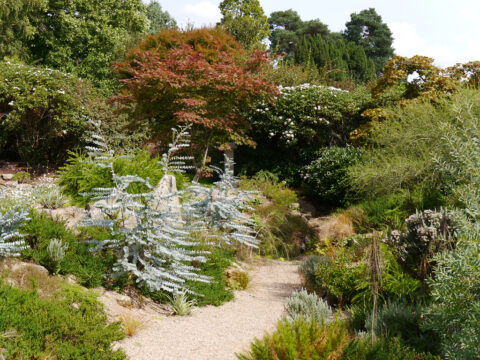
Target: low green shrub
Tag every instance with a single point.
(326, 178)
(79, 175)
(299, 340)
(383, 349)
(214, 293)
(308, 306)
(69, 325)
(88, 268)
(399, 319)
(340, 275)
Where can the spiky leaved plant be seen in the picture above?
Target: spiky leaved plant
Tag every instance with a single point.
(151, 242)
(11, 240)
(222, 208)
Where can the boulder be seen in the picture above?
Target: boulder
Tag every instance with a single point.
(7, 177)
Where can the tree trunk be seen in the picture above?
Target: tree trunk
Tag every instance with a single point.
(199, 169)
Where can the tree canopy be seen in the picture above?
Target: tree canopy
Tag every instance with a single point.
(246, 21)
(201, 77)
(159, 19)
(368, 30)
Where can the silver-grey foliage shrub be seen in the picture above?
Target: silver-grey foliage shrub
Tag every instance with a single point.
(56, 251)
(308, 306)
(151, 232)
(426, 234)
(11, 240)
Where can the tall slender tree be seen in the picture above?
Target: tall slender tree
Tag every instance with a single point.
(159, 19)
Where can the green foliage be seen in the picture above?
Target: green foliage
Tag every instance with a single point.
(341, 61)
(69, 325)
(214, 293)
(404, 146)
(340, 275)
(383, 349)
(84, 37)
(88, 268)
(326, 177)
(308, 306)
(300, 340)
(303, 119)
(246, 21)
(287, 73)
(427, 233)
(17, 26)
(159, 19)
(368, 30)
(21, 177)
(455, 309)
(44, 112)
(80, 175)
(399, 319)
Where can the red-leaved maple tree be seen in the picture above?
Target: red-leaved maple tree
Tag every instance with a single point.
(200, 77)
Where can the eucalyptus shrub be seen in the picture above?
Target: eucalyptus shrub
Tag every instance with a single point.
(11, 240)
(309, 306)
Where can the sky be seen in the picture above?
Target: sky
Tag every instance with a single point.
(446, 30)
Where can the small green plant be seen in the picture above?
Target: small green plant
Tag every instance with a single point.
(238, 279)
(22, 177)
(180, 304)
(56, 252)
(308, 306)
(50, 196)
(131, 323)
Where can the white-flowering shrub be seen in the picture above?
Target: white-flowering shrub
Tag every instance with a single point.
(308, 306)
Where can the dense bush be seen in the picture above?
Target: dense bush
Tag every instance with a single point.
(88, 268)
(326, 177)
(68, 325)
(399, 319)
(44, 111)
(384, 349)
(302, 120)
(340, 274)
(81, 175)
(408, 145)
(455, 310)
(300, 340)
(427, 233)
(308, 306)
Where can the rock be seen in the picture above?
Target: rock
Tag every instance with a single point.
(7, 177)
(71, 279)
(19, 266)
(124, 300)
(71, 215)
(167, 186)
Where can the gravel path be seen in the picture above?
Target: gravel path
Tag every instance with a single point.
(217, 333)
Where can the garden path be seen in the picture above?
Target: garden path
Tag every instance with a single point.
(217, 333)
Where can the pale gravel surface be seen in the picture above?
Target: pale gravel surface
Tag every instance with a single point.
(217, 333)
